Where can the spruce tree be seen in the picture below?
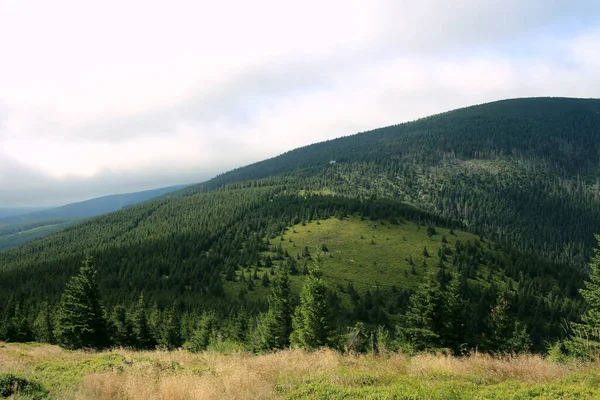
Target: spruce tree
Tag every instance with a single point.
(591, 292)
(121, 327)
(454, 329)
(312, 322)
(169, 336)
(506, 334)
(141, 329)
(276, 325)
(585, 338)
(204, 333)
(43, 326)
(17, 328)
(424, 317)
(81, 322)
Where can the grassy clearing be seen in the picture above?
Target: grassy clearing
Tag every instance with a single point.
(362, 252)
(324, 374)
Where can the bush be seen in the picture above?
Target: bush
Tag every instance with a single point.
(14, 385)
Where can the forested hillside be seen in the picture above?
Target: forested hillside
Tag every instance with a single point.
(18, 228)
(497, 204)
(501, 168)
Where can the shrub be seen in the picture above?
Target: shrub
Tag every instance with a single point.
(14, 385)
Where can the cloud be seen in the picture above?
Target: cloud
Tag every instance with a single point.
(122, 95)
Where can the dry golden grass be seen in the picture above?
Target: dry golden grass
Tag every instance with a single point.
(237, 376)
(522, 368)
(158, 375)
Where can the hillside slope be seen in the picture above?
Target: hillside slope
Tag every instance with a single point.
(522, 171)
(499, 171)
(21, 228)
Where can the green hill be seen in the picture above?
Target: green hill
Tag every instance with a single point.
(514, 180)
(19, 228)
(523, 171)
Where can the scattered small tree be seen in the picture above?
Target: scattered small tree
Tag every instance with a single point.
(431, 231)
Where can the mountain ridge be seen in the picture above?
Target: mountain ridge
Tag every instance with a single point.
(533, 211)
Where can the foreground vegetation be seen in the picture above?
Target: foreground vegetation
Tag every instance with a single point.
(293, 374)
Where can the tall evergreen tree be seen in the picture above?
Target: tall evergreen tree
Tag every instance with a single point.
(507, 335)
(454, 329)
(204, 333)
(585, 339)
(81, 322)
(424, 317)
(311, 322)
(170, 329)
(276, 325)
(17, 327)
(500, 326)
(43, 326)
(121, 327)
(141, 328)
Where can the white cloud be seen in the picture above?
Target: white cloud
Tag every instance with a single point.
(103, 97)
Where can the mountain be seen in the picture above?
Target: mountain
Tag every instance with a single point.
(522, 171)
(18, 228)
(508, 190)
(10, 211)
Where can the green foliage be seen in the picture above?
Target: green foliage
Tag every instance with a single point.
(591, 292)
(121, 328)
(312, 320)
(14, 386)
(43, 326)
(454, 319)
(169, 331)
(585, 337)
(506, 335)
(204, 333)
(519, 174)
(275, 325)
(80, 320)
(141, 330)
(424, 318)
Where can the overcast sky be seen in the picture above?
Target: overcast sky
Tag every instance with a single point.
(117, 96)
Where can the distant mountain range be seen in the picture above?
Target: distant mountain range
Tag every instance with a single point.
(20, 225)
(10, 211)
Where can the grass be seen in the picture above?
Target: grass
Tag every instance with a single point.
(293, 374)
(365, 253)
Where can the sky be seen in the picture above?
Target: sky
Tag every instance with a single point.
(109, 97)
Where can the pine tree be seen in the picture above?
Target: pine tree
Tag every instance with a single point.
(17, 328)
(312, 322)
(203, 334)
(585, 338)
(43, 326)
(81, 322)
(520, 342)
(501, 327)
(454, 330)
(170, 330)
(240, 325)
(424, 317)
(121, 327)
(141, 329)
(276, 325)
(265, 279)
